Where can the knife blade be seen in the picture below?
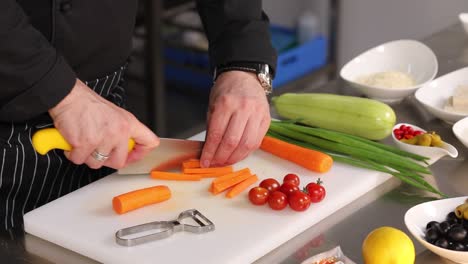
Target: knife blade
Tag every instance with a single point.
(169, 154)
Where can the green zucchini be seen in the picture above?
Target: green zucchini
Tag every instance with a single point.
(358, 116)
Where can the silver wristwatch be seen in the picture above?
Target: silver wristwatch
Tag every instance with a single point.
(263, 71)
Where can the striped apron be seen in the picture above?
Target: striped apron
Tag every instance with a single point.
(29, 180)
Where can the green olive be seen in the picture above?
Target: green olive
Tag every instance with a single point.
(460, 210)
(424, 140)
(436, 139)
(411, 141)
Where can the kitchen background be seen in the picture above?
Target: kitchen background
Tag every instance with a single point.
(341, 29)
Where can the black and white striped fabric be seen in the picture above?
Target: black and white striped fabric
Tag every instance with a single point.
(28, 179)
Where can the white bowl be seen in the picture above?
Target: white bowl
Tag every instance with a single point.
(433, 153)
(434, 95)
(464, 20)
(460, 129)
(417, 217)
(407, 56)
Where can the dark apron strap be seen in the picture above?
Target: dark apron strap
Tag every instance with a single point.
(29, 180)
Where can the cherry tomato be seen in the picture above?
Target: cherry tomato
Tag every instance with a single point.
(270, 184)
(316, 191)
(288, 188)
(291, 177)
(258, 195)
(277, 200)
(299, 201)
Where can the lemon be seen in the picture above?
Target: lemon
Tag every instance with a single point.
(388, 245)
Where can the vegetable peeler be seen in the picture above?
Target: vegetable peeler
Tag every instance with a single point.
(129, 236)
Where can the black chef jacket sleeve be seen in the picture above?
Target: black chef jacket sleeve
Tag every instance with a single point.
(33, 76)
(237, 30)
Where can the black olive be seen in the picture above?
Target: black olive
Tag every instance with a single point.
(457, 233)
(453, 219)
(444, 227)
(465, 223)
(432, 234)
(432, 224)
(451, 216)
(457, 246)
(442, 242)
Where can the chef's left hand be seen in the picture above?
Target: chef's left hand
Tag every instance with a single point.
(238, 119)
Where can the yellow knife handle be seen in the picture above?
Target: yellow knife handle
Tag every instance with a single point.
(47, 139)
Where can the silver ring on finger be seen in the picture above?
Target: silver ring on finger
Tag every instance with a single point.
(99, 156)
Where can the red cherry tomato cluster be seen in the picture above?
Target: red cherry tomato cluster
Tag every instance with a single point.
(406, 132)
(278, 196)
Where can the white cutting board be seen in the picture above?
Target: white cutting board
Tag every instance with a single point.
(83, 221)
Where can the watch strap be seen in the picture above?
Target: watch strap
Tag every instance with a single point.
(262, 70)
(237, 66)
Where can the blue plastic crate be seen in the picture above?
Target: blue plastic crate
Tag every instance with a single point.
(299, 61)
(191, 68)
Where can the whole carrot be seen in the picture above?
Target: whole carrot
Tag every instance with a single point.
(307, 158)
(139, 198)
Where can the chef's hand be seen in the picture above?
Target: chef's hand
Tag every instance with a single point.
(238, 119)
(91, 123)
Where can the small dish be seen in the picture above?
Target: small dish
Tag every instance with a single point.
(433, 153)
(464, 21)
(407, 56)
(417, 217)
(460, 129)
(435, 95)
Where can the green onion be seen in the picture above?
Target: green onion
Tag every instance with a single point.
(357, 152)
(348, 149)
(352, 140)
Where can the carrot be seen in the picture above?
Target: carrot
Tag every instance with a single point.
(209, 175)
(192, 163)
(231, 175)
(176, 162)
(214, 170)
(240, 187)
(228, 183)
(164, 175)
(215, 191)
(307, 158)
(139, 198)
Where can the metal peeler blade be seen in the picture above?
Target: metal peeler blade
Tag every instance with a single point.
(167, 228)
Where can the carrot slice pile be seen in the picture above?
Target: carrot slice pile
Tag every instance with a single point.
(139, 198)
(224, 178)
(307, 158)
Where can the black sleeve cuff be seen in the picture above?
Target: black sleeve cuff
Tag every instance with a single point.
(43, 95)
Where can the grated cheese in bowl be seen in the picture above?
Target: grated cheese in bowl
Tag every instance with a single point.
(387, 79)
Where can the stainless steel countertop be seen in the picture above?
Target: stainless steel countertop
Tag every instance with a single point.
(347, 228)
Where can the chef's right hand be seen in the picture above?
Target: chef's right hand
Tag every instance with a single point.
(91, 123)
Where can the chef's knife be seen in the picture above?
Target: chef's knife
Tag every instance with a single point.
(168, 155)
